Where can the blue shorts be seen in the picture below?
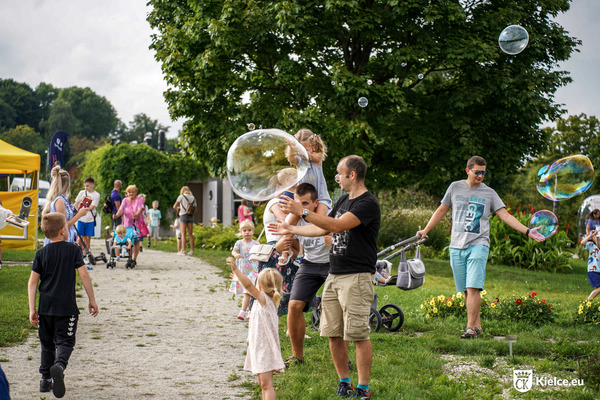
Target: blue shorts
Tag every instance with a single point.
(594, 278)
(468, 266)
(85, 228)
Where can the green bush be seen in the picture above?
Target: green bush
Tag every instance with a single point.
(218, 237)
(403, 212)
(527, 308)
(444, 306)
(588, 312)
(510, 247)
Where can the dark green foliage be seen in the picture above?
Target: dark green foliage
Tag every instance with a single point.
(306, 63)
(510, 247)
(158, 175)
(403, 211)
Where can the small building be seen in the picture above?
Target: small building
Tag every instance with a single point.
(215, 199)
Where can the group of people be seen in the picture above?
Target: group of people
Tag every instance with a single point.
(339, 243)
(340, 251)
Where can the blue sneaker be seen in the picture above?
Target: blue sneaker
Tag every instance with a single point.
(344, 389)
(361, 393)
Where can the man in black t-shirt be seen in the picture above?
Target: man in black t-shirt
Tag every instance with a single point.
(54, 269)
(348, 291)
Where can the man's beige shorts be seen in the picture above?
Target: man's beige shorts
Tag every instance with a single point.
(346, 305)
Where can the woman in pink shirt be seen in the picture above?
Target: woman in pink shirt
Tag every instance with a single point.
(131, 209)
(244, 213)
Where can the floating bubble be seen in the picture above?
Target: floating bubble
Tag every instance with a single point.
(369, 82)
(332, 83)
(340, 84)
(261, 164)
(513, 39)
(546, 221)
(565, 178)
(421, 76)
(251, 126)
(363, 102)
(403, 64)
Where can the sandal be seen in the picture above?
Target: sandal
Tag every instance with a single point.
(470, 333)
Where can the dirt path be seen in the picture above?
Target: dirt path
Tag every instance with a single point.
(166, 330)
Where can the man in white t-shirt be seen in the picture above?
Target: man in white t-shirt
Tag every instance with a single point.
(311, 275)
(85, 226)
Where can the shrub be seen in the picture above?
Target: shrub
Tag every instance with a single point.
(526, 308)
(403, 212)
(588, 312)
(509, 247)
(218, 237)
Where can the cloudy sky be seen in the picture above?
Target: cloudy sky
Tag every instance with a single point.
(104, 45)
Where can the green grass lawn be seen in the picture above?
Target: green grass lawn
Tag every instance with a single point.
(417, 361)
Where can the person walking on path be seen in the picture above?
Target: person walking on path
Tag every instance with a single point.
(153, 223)
(57, 313)
(131, 209)
(244, 213)
(87, 223)
(354, 221)
(472, 203)
(116, 199)
(313, 271)
(186, 207)
(58, 201)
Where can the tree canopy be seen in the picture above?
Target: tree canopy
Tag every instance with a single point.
(439, 87)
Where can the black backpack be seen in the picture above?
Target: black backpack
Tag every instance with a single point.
(108, 205)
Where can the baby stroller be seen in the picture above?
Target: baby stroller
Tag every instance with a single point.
(390, 316)
(131, 234)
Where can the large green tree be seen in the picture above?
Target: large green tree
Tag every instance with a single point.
(439, 87)
(96, 116)
(19, 105)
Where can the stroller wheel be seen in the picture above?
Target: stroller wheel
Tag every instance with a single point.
(375, 320)
(392, 317)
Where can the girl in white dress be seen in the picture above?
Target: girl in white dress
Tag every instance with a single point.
(263, 356)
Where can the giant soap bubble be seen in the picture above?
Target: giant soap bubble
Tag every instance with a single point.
(546, 221)
(263, 163)
(565, 178)
(513, 39)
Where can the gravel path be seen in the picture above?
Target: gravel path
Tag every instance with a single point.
(166, 330)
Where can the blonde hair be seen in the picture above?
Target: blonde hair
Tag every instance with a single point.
(246, 224)
(121, 229)
(270, 283)
(185, 189)
(52, 223)
(61, 184)
(307, 136)
(131, 188)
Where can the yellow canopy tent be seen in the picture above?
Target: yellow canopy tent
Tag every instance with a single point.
(16, 161)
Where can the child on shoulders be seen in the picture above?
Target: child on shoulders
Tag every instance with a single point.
(591, 243)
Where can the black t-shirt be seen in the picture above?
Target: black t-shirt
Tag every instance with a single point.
(355, 250)
(56, 263)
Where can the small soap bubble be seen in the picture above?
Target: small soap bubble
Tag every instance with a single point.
(369, 82)
(565, 178)
(332, 83)
(546, 221)
(340, 84)
(363, 102)
(261, 164)
(403, 64)
(421, 76)
(251, 126)
(513, 39)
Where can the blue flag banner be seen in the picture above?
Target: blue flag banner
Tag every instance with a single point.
(57, 146)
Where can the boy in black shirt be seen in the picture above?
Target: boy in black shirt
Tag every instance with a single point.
(54, 268)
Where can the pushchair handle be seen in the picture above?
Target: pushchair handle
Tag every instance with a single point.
(416, 240)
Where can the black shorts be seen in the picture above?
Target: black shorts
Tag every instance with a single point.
(309, 278)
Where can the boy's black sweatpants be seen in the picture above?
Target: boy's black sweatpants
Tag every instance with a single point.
(57, 335)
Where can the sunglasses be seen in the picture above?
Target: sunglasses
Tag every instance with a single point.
(478, 173)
